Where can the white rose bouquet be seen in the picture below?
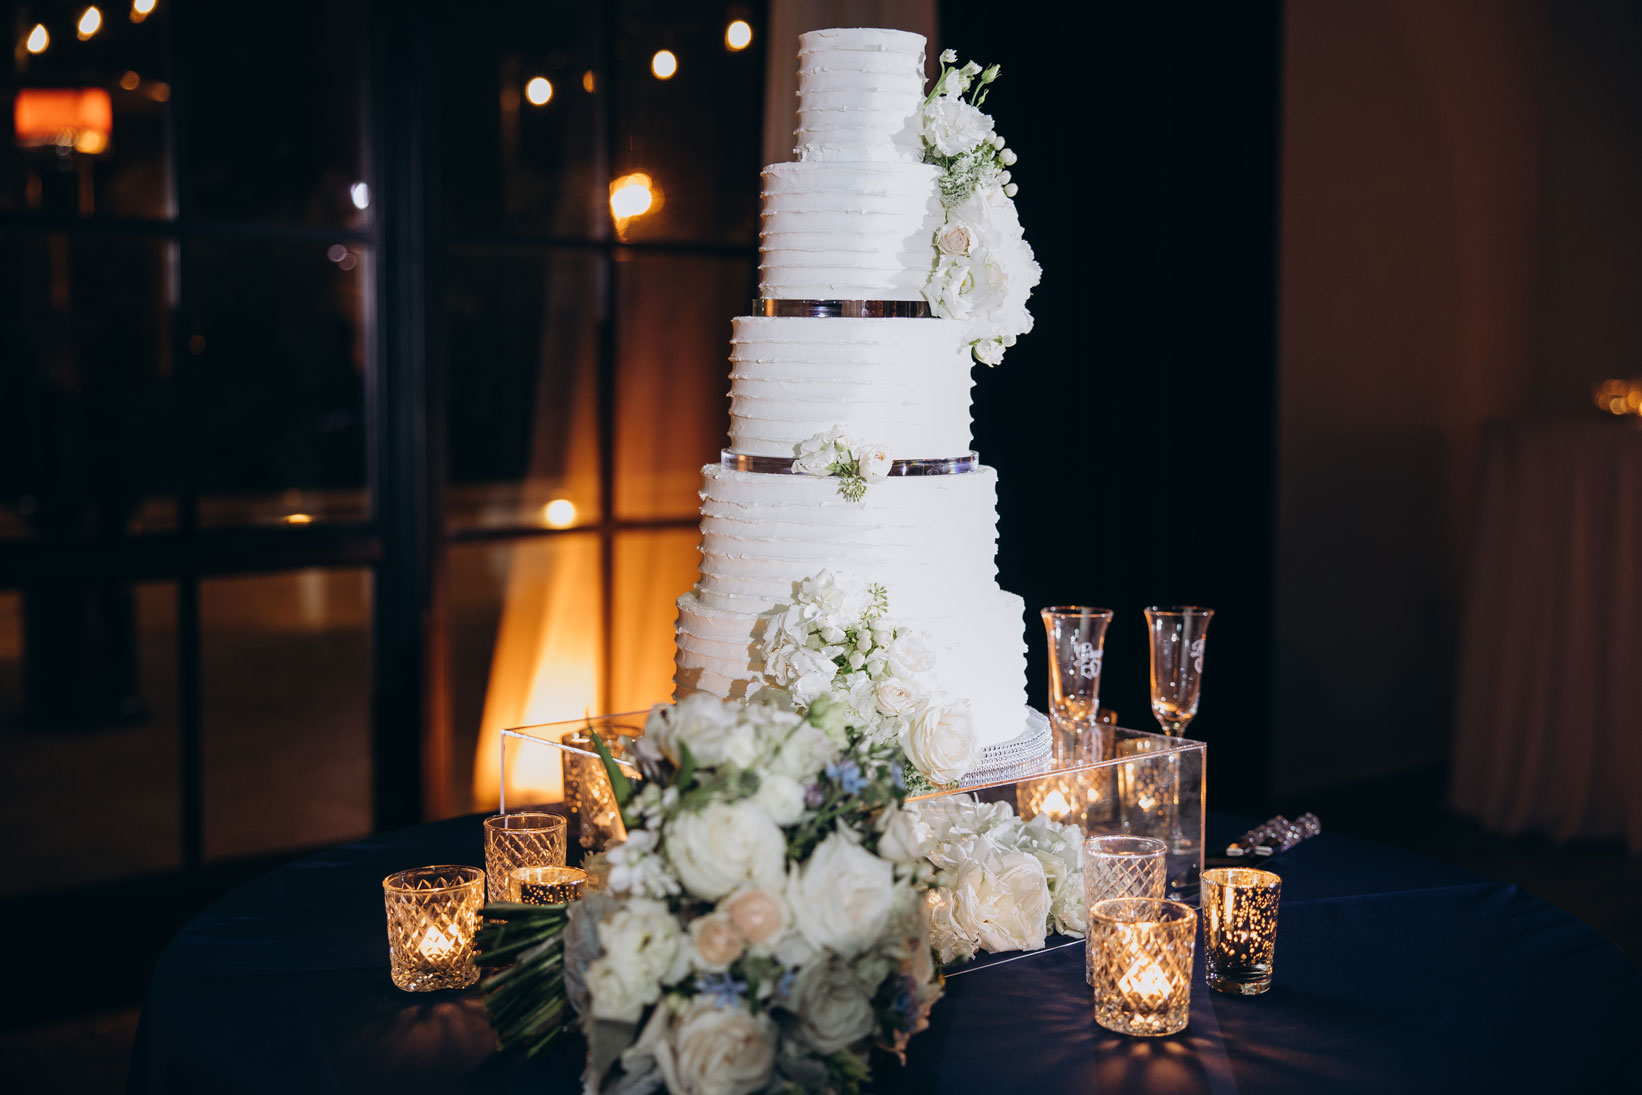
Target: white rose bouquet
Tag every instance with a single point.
(984, 269)
(763, 926)
(835, 643)
(854, 465)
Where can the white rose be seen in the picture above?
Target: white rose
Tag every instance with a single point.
(717, 1051)
(1003, 901)
(803, 752)
(953, 238)
(782, 797)
(895, 696)
(989, 351)
(873, 462)
(945, 289)
(832, 1010)
(939, 740)
(900, 836)
(841, 898)
(910, 657)
(723, 845)
(952, 125)
(715, 731)
(643, 951)
(716, 942)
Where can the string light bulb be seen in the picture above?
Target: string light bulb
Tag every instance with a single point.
(91, 21)
(141, 9)
(538, 90)
(664, 64)
(738, 35)
(38, 39)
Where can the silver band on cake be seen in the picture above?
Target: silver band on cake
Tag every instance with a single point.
(783, 465)
(847, 309)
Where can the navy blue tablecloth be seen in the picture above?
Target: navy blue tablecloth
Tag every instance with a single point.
(1395, 973)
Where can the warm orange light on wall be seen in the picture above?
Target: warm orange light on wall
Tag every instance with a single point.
(78, 118)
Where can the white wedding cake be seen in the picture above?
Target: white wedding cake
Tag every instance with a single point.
(849, 358)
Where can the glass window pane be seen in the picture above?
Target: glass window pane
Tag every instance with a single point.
(523, 389)
(89, 443)
(88, 121)
(279, 348)
(511, 163)
(274, 116)
(652, 569)
(286, 721)
(526, 646)
(88, 718)
(672, 376)
(699, 134)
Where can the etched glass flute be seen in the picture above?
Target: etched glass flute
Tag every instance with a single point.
(525, 838)
(1239, 928)
(1120, 866)
(1077, 646)
(1178, 633)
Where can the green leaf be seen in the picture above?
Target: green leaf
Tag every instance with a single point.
(686, 767)
(620, 785)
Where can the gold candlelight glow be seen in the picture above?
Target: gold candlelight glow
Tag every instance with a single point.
(432, 915)
(1240, 928)
(1142, 964)
(527, 838)
(546, 885)
(664, 64)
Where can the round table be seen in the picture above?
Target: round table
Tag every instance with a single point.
(1395, 973)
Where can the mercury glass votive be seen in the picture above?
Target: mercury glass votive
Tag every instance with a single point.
(432, 915)
(546, 885)
(1120, 866)
(524, 838)
(1143, 964)
(1239, 928)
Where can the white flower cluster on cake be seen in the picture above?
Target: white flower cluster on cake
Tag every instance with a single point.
(764, 924)
(836, 642)
(1003, 883)
(855, 465)
(984, 269)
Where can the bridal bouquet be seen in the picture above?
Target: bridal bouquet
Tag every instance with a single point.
(836, 642)
(984, 269)
(761, 928)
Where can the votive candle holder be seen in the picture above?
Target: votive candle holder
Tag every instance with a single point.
(523, 838)
(1120, 866)
(1143, 964)
(432, 915)
(546, 885)
(1239, 928)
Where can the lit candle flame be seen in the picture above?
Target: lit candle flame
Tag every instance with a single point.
(1146, 982)
(437, 944)
(1056, 806)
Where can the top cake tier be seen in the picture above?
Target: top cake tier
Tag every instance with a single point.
(859, 91)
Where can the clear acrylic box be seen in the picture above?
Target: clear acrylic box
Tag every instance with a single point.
(1106, 780)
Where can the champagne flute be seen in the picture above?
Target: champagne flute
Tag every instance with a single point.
(1077, 644)
(1178, 633)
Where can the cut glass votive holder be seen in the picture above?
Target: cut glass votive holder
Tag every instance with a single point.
(1143, 964)
(524, 838)
(1120, 866)
(432, 915)
(546, 885)
(1239, 928)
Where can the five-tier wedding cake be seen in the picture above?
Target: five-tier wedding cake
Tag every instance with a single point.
(848, 510)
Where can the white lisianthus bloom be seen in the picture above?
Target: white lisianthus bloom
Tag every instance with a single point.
(949, 57)
(873, 462)
(715, 942)
(714, 1050)
(952, 125)
(643, 952)
(953, 238)
(802, 753)
(724, 845)
(1003, 902)
(782, 797)
(895, 696)
(841, 898)
(988, 351)
(947, 285)
(939, 739)
(833, 1012)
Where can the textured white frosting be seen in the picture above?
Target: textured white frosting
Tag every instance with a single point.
(929, 541)
(859, 91)
(836, 231)
(903, 384)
